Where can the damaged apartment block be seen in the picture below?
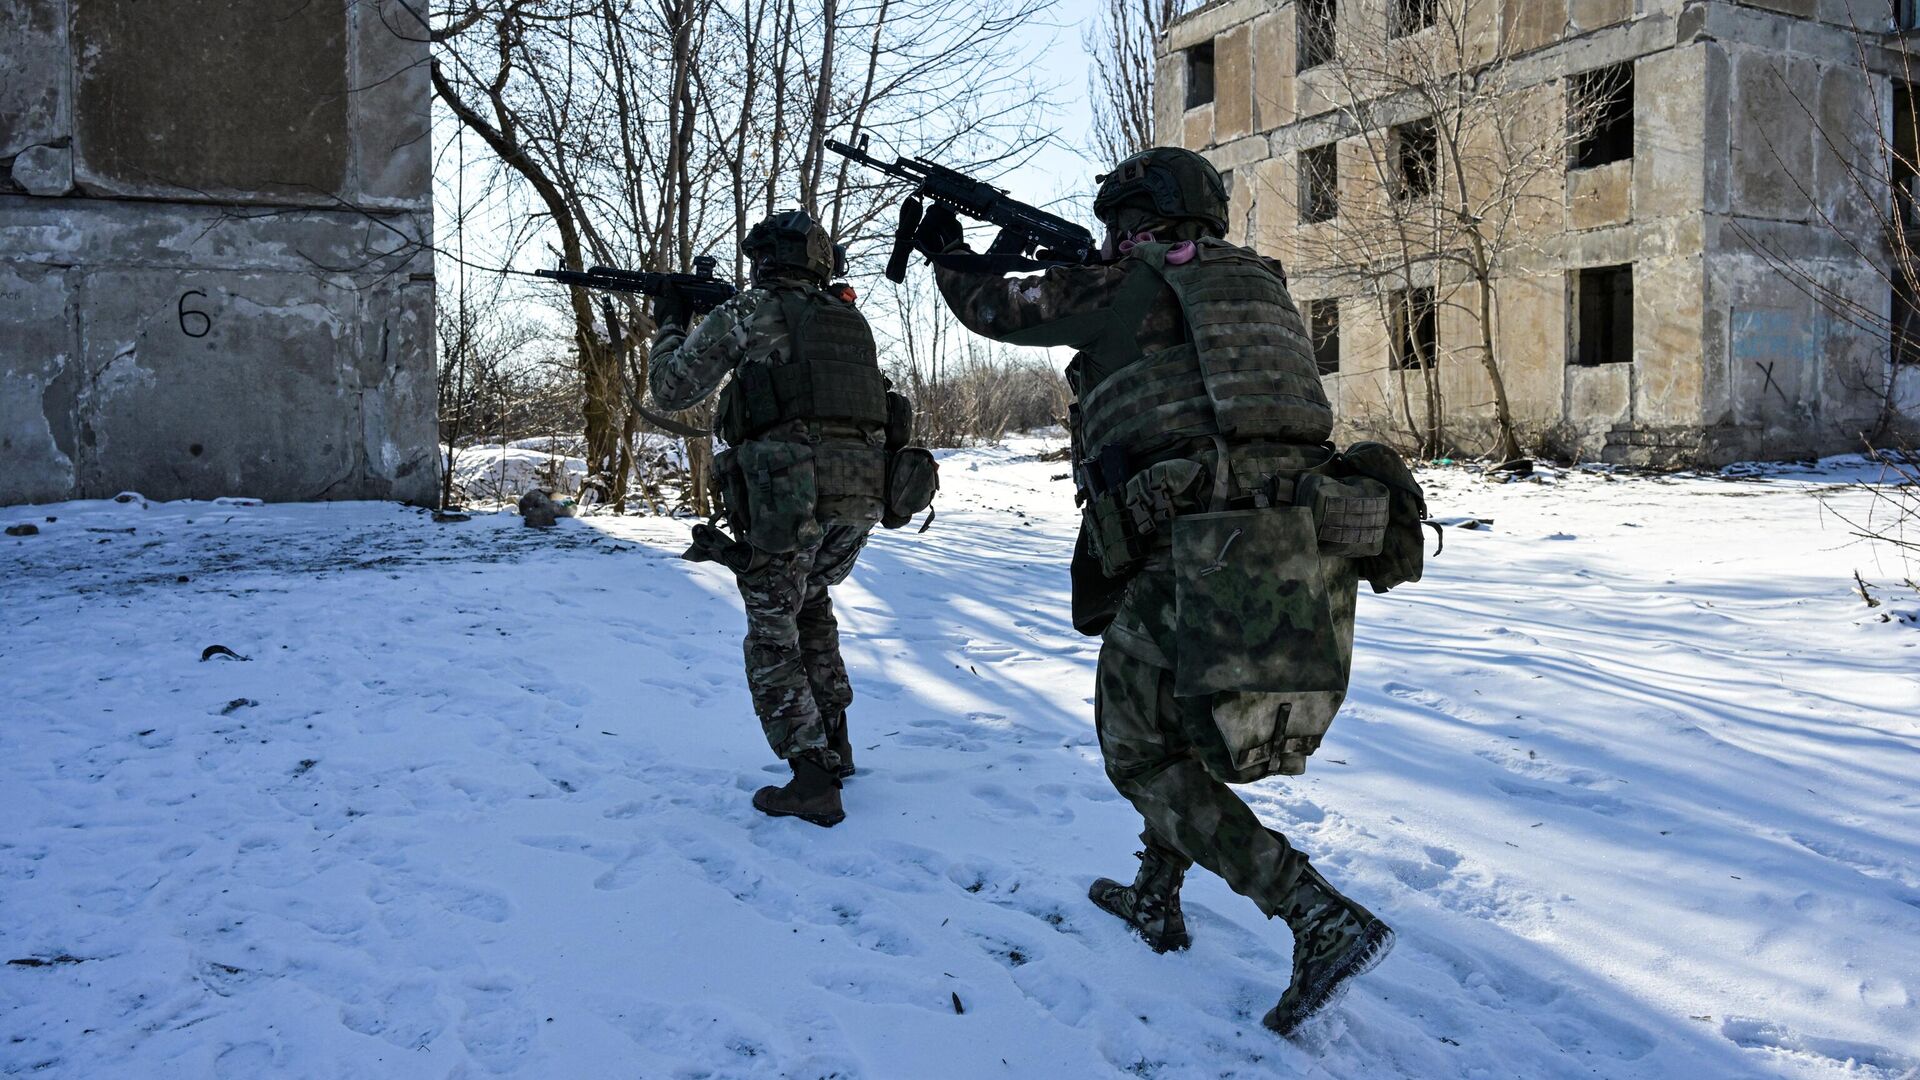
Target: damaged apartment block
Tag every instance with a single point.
(215, 272)
(1703, 272)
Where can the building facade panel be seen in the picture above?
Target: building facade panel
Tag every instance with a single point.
(1644, 319)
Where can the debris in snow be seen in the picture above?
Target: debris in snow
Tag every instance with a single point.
(212, 651)
(538, 510)
(25, 528)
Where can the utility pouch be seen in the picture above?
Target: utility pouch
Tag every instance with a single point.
(781, 495)
(1252, 610)
(852, 480)
(1160, 492)
(1349, 516)
(1402, 554)
(899, 421)
(913, 478)
(1111, 539)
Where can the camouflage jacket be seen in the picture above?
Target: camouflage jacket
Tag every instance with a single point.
(684, 368)
(1066, 305)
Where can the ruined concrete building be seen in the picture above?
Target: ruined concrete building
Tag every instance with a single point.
(213, 271)
(1702, 274)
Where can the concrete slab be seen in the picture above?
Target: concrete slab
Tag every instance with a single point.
(207, 98)
(34, 106)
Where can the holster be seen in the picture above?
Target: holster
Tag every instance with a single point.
(712, 545)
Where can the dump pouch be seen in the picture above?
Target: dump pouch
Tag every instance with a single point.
(1349, 516)
(1247, 737)
(913, 477)
(1402, 554)
(781, 494)
(1252, 607)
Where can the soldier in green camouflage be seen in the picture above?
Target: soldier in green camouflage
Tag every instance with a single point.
(1198, 418)
(801, 483)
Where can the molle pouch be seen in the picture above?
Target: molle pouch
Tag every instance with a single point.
(913, 478)
(1252, 607)
(1402, 555)
(726, 486)
(1110, 535)
(1162, 491)
(1349, 516)
(852, 480)
(781, 495)
(899, 421)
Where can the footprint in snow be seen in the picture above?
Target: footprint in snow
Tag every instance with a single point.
(879, 987)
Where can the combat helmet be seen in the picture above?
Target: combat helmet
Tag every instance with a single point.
(1168, 183)
(791, 241)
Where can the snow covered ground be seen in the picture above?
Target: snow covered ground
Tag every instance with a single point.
(1633, 772)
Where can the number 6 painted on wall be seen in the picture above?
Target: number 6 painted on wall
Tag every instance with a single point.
(206, 320)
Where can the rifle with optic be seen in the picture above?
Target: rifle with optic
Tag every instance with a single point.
(701, 291)
(1025, 231)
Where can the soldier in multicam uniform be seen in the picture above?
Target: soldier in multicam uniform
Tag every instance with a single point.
(801, 483)
(1198, 422)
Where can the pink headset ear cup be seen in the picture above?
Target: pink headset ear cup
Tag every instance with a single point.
(1181, 253)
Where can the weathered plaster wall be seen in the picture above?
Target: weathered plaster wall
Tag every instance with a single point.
(213, 271)
(1731, 359)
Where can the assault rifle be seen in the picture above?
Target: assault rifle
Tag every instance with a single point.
(701, 291)
(1025, 231)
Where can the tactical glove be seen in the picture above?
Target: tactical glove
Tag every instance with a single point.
(670, 309)
(939, 231)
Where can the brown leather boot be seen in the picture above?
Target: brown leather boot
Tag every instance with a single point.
(812, 795)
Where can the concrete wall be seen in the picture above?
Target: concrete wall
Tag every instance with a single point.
(213, 271)
(1731, 358)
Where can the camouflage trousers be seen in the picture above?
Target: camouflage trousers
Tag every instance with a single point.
(794, 671)
(1190, 816)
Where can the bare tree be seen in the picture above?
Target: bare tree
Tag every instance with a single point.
(647, 133)
(1121, 42)
(1451, 168)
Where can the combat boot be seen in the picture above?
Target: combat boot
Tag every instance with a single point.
(812, 795)
(839, 742)
(1334, 940)
(1151, 905)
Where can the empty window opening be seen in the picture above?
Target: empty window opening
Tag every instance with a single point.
(1323, 321)
(1416, 329)
(1316, 33)
(1906, 14)
(1906, 154)
(1200, 75)
(1412, 16)
(1603, 303)
(1416, 155)
(1602, 110)
(1320, 183)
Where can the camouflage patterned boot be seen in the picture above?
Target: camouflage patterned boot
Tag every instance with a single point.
(1151, 905)
(1334, 940)
(812, 795)
(839, 742)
